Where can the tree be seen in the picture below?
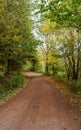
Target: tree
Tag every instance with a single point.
(48, 45)
(66, 15)
(15, 33)
(71, 51)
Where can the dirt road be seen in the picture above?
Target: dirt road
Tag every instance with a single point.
(39, 106)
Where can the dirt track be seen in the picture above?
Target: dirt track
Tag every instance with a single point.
(39, 106)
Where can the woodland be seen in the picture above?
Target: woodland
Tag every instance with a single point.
(42, 36)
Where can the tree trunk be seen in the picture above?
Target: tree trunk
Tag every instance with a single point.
(53, 70)
(46, 68)
(8, 67)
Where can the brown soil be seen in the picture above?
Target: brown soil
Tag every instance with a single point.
(39, 106)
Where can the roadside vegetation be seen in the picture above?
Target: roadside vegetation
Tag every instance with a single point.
(10, 84)
(17, 44)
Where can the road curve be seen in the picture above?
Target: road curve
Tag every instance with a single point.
(39, 106)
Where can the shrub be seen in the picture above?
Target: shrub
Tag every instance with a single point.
(10, 83)
(17, 80)
(75, 86)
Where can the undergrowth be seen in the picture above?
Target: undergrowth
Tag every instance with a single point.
(10, 83)
(75, 86)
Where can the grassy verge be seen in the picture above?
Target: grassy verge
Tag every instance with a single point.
(10, 85)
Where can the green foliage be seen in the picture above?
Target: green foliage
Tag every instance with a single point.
(15, 34)
(60, 75)
(17, 43)
(75, 86)
(64, 13)
(10, 84)
(66, 18)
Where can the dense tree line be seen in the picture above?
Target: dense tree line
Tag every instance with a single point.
(18, 46)
(16, 40)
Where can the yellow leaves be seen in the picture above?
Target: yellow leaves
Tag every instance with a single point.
(16, 30)
(70, 57)
(41, 62)
(16, 3)
(45, 27)
(52, 26)
(48, 26)
(41, 58)
(17, 38)
(59, 38)
(52, 59)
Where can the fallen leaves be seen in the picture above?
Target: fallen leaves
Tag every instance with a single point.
(70, 97)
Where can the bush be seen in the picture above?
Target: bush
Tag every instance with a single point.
(17, 80)
(75, 86)
(60, 75)
(10, 83)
